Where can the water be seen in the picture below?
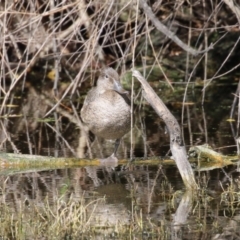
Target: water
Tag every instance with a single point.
(144, 201)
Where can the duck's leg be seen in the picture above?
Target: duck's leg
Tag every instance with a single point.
(112, 160)
(116, 145)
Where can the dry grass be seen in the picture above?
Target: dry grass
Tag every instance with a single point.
(83, 35)
(73, 219)
(51, 51)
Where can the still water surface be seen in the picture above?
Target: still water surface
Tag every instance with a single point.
(129, 195)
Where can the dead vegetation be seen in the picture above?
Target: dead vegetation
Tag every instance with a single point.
(51, 51)
(85, 35)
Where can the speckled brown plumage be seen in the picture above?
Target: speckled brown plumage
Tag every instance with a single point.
(106, 110)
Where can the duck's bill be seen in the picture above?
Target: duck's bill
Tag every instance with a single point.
(118, 88)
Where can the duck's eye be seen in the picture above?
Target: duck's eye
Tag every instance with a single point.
(106, 76)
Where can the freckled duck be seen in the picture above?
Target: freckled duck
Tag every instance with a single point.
(106, 110)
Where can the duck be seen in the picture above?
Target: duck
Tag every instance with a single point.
(106, 110)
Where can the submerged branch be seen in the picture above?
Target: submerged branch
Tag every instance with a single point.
(204, 157)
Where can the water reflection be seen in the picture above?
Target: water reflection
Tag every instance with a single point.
(149, 195)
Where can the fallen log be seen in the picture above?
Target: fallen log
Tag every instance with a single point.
(202, 157)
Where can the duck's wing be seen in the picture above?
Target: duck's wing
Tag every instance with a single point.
(91, 96)
(89, 99)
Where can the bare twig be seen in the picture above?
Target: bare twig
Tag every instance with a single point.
(222, 65)
(161, 27)
(234, 8)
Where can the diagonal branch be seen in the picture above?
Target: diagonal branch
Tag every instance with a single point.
(177, 147)
(162, 28)
(235, 8)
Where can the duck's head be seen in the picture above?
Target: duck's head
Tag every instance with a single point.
(110, 80)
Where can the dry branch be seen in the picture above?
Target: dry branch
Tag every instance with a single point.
(176, 144)
(161, 27)
(235, 8)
